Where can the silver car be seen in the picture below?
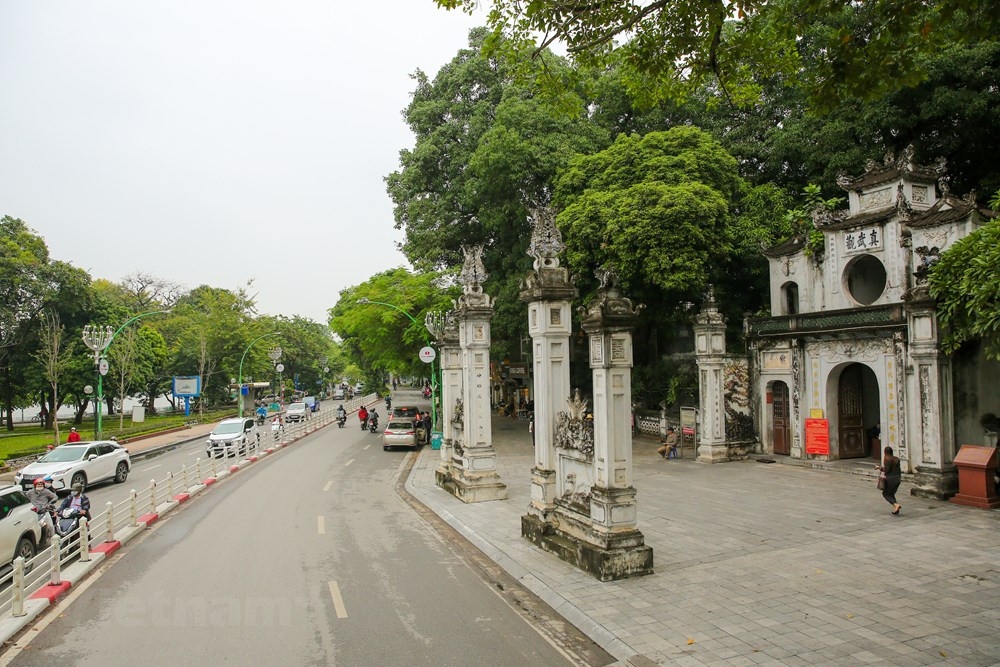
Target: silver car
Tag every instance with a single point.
(297, 412)
(78, 463)
(399, 433)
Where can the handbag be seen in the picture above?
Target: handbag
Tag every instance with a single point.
(880, 484)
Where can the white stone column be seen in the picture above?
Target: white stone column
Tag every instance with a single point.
(710, 353)
(444, 328)
(930, 429)
(548, 292)
(475, 477)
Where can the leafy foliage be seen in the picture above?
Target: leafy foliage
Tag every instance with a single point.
(966, 284)
(671, 49)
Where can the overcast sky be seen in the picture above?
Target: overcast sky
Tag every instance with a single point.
(215, 141)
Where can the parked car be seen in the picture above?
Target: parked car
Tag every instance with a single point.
(358, 388)
(400, 432)
(312, 402)
(339, 394)
(20, 531)
(78, 463)
(297, 412)
(406, 411)
(232, 437)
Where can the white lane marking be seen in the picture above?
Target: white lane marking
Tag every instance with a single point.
(338, 602)
(327, 486)
(150, 467)
(368, 445)
(349, 463)
(321, 524)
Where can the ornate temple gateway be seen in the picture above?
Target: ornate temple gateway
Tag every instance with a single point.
(849, 361)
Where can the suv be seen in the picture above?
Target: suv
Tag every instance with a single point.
(80, 462)
(312, 402)
(232, 437)
(20, 531)
(406, 411)
(297, 412)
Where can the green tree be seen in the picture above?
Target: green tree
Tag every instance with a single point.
(966, 284)
(381, 339)
(671, 49)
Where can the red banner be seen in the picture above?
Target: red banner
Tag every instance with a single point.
(817, 436)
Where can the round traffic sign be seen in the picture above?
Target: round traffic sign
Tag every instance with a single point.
(280, 368)
(427, 354)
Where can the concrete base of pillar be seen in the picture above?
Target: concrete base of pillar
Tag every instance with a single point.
(619, 556)
(543, 492)
(471, 487)
(935, 483)
(713, 453)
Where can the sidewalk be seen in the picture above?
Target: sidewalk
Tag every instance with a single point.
(759, 565)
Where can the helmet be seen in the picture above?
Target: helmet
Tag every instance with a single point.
(39, 481)
(48, 478)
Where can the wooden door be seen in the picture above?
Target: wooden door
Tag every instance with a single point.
(779, 419)
(852, 430)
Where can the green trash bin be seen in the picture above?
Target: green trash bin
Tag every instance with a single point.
(436, 438)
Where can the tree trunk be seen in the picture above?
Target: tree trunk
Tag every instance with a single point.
(81, 410)
(8, 397)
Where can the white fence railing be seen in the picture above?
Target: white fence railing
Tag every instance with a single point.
(121, 521)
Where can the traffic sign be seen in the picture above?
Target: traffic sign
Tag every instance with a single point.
(427, 354)
(102, 366)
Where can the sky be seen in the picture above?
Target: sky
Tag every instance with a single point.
(216, 142)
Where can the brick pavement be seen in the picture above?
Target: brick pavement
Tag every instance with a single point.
(760, 565)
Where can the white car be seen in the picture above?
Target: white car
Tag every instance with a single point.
(232, 437)
(20, 531)
(78, 463)
(297, 412)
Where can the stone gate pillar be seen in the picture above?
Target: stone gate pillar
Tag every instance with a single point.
(548, 292)
(931, 430)
(474, 464)
(444, 328)
(710, 353)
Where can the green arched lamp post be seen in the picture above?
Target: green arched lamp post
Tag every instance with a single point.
(99, 339)
(239, 382)
(427, 341)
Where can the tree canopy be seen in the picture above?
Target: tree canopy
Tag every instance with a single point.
(671, 49)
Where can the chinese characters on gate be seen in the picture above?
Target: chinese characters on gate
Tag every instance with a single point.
(863, 239)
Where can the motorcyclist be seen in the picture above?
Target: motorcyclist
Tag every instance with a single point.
(388, 403)
(363, 416)
(261, 414)
(76, 501)
(43, 500)
(341, 412)
(373, 417)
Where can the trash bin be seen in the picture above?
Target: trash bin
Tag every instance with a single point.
(436, 438)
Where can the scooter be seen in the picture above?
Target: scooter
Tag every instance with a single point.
(364, 423)
(373, 426)
(341, 421)
(261, 419)
(48, 527)
(69, 520)
(276, 430)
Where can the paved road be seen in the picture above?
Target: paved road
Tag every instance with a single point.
(310, 558)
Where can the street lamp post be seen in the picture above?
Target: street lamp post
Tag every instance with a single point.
(239, 384)
(274, 354)
(99, 339)
(427, 341)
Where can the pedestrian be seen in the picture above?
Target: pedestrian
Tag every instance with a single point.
(668, 448)
(531, 427)
(427, 427)
(890, 475)
(73, 435)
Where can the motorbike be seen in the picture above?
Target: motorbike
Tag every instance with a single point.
(276, 430)
(388, 404)
(68, 521)
(373, 424)
(261, 419)
(341, 420)
(47, 527)
(364, 423)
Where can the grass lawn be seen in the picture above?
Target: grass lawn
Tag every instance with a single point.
(31, 439)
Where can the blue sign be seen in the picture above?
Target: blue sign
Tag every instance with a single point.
(186, 387)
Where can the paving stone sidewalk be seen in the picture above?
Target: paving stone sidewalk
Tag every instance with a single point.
(759, 565)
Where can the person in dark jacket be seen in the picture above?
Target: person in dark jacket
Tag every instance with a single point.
(893, 476)
(78, 501)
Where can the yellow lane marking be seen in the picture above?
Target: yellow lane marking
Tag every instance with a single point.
(328, 485)
(338, 602)
(321, 524)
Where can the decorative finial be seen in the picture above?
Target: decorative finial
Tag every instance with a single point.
(546, 241)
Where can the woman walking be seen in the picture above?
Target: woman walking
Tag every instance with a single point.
(893, 476)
